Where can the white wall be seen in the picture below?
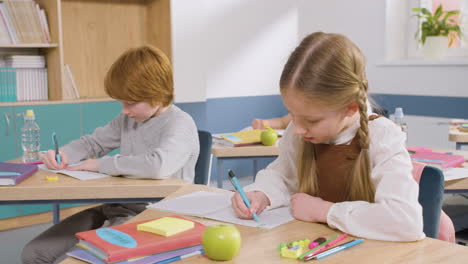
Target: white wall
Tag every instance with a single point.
(226, 48)
(363, 21)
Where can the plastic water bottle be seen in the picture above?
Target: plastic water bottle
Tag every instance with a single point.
(30, 138)
(399, 119)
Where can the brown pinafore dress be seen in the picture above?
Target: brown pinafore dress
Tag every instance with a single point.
(334, 166)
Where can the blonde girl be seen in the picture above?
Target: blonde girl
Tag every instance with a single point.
(339, 164)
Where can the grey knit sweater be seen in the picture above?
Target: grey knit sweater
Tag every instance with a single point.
(161, 147)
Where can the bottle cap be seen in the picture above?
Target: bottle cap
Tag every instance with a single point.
(30, 112)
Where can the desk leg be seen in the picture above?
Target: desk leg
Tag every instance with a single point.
(219, 173)
(56, 209)
(255, 168)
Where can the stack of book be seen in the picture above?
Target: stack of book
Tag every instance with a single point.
(247, 137)
(437, 159)
(238, 139)
(161, 239)
(23, 21)
(23, 78)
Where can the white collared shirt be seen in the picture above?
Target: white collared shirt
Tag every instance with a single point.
(396, 214)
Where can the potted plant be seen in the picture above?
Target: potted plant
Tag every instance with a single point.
(436, 31)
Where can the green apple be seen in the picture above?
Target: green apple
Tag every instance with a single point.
(268, 137)
(221, 242)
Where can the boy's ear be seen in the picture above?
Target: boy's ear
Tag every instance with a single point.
(351, 109)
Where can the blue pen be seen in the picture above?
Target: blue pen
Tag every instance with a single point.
(236, 184)
(55, 142)
(198, 252)
(337, 249)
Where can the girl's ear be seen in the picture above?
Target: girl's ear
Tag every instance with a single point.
(351, 109)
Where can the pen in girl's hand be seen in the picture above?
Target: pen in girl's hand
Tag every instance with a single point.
(236, 185)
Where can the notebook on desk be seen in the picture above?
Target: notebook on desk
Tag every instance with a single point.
(217, 206)
(14, 173)
(80, 175)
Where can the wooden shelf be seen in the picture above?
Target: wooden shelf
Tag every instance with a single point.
(89, 35)
(73, 101)
(39, 45)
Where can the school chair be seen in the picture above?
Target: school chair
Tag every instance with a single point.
(431, 191)
(203, 166)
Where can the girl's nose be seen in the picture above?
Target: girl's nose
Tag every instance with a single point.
(298, 129)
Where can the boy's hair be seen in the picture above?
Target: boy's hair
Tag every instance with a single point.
(331, 68)
(141, 74)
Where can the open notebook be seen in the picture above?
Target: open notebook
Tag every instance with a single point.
(218, 206)
(80, 175)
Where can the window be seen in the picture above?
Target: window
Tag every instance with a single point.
(401, 26)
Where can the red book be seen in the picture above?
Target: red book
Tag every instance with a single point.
(122, 242)
(14, 173)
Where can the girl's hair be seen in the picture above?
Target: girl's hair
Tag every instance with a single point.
(331, 69)
(141, 74)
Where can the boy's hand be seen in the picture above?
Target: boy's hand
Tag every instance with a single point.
(87, 165)
(257, 124)
(258, 201)
(309, 208)
(49, 160)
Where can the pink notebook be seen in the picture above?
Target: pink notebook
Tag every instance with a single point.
(443, 159)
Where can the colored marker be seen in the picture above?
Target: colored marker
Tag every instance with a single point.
(317, 247)
(337, 249)
(327, 246)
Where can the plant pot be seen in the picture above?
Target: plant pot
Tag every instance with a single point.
(435, 47)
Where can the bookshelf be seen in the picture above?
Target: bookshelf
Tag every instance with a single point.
(89, 35)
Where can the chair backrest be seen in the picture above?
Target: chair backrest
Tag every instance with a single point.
(431, 191)
(203, 166)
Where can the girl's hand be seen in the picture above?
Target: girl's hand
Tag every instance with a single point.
(49, 160)
(258, 124)
(87, 165)
(309, 208)
(258, 201)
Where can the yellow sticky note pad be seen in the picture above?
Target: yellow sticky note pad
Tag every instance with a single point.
(166, 226)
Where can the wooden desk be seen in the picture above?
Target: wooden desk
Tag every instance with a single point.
(222, 153)
(259, 245)
(460, 138)
(36, 190)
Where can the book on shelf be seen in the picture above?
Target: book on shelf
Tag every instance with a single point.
(14, 173)
(25, 21)
(23, 78)
(86, 256)
(70, 90)
(122, 242)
